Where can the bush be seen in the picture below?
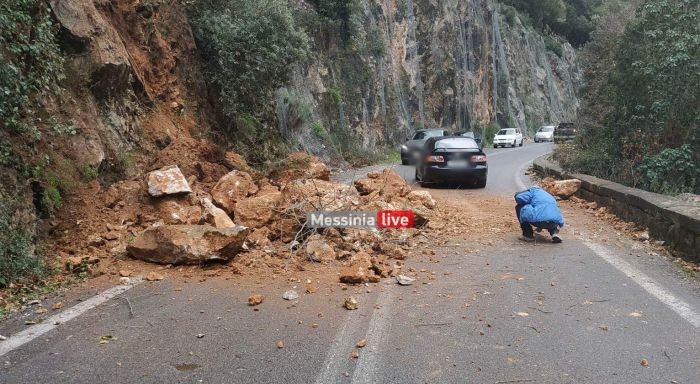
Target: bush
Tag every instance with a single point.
(17, 257)
(31, 62)
(671, 171)
(552, 44)
(248, 48)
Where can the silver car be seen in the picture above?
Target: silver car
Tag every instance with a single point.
(545, 133)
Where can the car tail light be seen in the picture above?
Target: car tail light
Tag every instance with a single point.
(479, 158)
(435, 159)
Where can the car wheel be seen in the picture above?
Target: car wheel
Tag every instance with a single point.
(404, 162)
(481, 183)
(537, 141)
(521, 142)
(515, 142)
(495, 146)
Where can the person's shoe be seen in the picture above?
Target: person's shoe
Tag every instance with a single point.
(556, 239)
(526, 239)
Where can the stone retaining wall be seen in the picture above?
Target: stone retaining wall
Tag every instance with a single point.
(673, 220)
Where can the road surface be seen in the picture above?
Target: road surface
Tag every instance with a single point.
(585, 311)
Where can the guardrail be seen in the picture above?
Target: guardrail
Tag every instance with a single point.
(673, 220)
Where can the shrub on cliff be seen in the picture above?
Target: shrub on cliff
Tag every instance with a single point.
(248, 48)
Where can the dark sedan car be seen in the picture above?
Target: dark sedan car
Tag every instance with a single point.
(414, 144)
(452, 160)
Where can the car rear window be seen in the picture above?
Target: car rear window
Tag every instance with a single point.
(456, 143)
(547, 129)
(506, 132)
(428, 134)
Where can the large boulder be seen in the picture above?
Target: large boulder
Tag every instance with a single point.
(300, 165)
(187, 244)
(167, 181)
(421, 198)
(178, 210)
(233, 187)
(214, 215)
(388, 182)
(319, 250)
(257, 211)
(562, 189)
(317, 195)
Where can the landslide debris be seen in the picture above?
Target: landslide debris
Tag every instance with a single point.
(192, 212)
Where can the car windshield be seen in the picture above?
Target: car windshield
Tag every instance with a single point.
(427, 134)
(456, 143)
(547, 129)
(506, 132)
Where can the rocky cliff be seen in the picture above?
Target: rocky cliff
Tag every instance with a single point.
(424, 63)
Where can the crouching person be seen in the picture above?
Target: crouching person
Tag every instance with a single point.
(538, 208)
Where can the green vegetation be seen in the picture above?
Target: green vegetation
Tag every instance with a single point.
(248, 48)
(553, 45)
(640, 119)
(31, 62)
(571, 19)
(17, 257)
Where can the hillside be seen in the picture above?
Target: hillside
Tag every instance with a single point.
(126, 88)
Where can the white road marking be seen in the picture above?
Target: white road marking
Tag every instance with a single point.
(519, 176)
(369, 362)
(343, 344)
(31, 333)
(662, 294)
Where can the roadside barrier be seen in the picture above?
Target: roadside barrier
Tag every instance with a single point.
(670, 219)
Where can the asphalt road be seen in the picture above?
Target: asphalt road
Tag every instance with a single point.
(580, 312)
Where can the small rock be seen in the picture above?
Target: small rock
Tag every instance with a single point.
(57, 306)
(280, 344)
(167, 181)
(124, 273)
(603, 327)
(354, 354)
(3, 338)
(256, 299)
(290, 295)
(154, 276)
(124, 280)
(361, 344)
(310, 289)
(644, 363)
(200, 335)
(350, 303)
(404, 280)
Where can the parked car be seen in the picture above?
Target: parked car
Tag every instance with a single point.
(564, 132)
(508, 137)
(545, 133)
(414, 144)
(472, 135)
(452, 159)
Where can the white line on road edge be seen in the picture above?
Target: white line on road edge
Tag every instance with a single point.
(662, 294)
(343, 342)
(31, 333)
(369, 360)
(519, 176)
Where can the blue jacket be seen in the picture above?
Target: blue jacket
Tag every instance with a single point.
(538, 206)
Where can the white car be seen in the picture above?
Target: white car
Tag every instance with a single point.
(508, 137)
(545, 133)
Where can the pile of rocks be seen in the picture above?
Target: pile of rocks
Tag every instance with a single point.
(265, 216)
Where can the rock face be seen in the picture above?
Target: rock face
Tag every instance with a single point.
(455, 64)
(562, 189)
(167, 181)
(233, 187)
(187, 244)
